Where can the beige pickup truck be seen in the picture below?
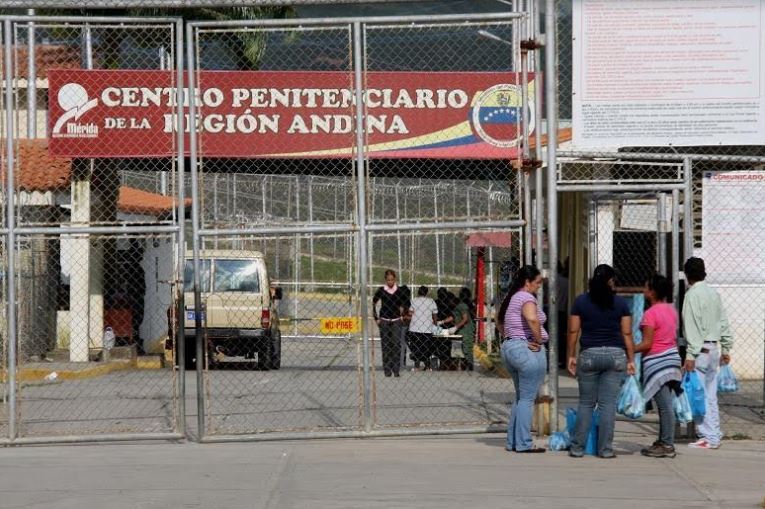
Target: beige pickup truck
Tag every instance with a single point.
(239, 309)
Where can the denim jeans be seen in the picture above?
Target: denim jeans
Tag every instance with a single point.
(707, 367)
(600, 372)
(528, 370)
(663, 400)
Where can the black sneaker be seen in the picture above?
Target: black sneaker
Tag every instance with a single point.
(659, 450)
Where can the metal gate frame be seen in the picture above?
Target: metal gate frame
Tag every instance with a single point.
(361, 229)
(11, 230)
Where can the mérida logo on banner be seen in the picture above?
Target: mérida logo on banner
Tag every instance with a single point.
(73, 99)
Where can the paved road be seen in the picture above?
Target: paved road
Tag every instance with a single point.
(423, 473)
(319, 387)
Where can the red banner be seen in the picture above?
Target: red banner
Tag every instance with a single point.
(261, 114)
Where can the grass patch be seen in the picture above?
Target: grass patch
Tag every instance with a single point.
(336, 271)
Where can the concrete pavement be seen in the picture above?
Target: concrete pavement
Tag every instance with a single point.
(424, 472)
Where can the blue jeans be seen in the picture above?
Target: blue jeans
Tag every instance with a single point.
(601, 372)
(528, 370)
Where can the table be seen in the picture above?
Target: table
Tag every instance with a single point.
(449, 354)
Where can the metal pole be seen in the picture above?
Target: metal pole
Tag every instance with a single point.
(310, 220)
(688, 225)
(163, 64)
(234, 198)
(191, 54)
(31, 80)
(88, 47)
(675, 246)
(524, 144)
(361, 235)
(552, 200)
(263, 196)
(592, 235)
(398, 234)
(399, 20)
(438, 236)
(180, 333)
(661, 232)
(495, 308)
(653, 156)
(215, 204)
(617, 188)
(10, 218)
(298, 260)
(334, 239)
(538, 175)
(454, 238)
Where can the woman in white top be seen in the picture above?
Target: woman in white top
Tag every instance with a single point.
(424, 313)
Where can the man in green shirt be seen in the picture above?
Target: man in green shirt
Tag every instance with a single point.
(709, 341)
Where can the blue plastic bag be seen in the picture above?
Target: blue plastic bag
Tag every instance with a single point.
(591, 447)
(559, 441)
(694, 389)
(726, 379)
(682, 407)
(631, 403)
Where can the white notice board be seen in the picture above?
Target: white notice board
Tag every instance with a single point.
(733, 226)
(668, 72)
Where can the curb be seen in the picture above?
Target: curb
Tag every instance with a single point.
(39, 374)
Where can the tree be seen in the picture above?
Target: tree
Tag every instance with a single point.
(246, 46)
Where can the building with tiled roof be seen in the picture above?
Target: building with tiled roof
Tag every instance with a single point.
(39, 172)
(131, 276)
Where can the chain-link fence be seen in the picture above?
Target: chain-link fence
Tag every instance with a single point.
(717, 203)
(92, 259)
(318, 156)
(403, 195)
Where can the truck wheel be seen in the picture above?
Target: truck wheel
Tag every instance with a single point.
(190, 353)
(264, 355)
(276, 351)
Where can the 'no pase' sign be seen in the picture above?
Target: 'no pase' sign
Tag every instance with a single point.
(340, 325)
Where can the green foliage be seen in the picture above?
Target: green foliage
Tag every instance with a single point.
(248, 46)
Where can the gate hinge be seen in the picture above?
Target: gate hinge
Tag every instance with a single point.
(531, 45)
(527, 165)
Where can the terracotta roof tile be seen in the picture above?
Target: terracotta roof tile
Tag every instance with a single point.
(39, 171)
(47, 57)
(136, 201)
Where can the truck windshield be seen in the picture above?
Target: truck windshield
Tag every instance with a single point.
(188, 276)
(236, 276)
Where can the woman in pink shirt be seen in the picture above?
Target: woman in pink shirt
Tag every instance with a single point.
(661, 361)
(521, 321)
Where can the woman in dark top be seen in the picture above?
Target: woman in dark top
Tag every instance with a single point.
(446, 301)
(465, 325)
(606, 353)
(390, 322)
